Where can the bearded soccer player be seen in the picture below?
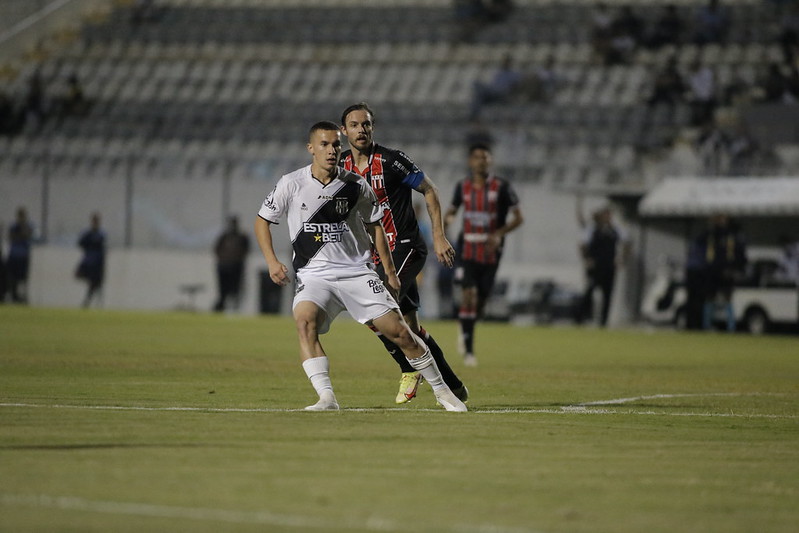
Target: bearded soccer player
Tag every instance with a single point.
(487, 200)
(394, 177)
(334, 218)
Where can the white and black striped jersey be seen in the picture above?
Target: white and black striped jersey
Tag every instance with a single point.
(326, 222)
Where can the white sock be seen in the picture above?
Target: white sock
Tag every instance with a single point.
(318, 371)
(429, 369)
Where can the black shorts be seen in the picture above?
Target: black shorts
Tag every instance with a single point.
(409, 261)
(480, 275)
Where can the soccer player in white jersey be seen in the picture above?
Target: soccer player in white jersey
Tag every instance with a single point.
(333, 219)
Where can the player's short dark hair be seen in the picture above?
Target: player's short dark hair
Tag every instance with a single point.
(324, 125)
(355, 107)
(479, 146)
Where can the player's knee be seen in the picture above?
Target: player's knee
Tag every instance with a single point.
(306, 326)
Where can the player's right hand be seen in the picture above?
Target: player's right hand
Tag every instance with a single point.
(279, 274)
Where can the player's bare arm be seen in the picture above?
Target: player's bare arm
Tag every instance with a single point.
(517, 219)
(378, 235)
(277, 270)
(445, 253)
(449, 217)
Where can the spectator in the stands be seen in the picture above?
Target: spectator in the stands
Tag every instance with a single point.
(73, 102)
(472, 15)
(35, 108)
(789, 32)
(626, 31)
(601, 20)
(546, 80)
(8, 115)
(738, 90)
(499, 88)
(742, 150)
(667, 29)
(712, 23)
(668, 86)
(775, 85)
(702, 92)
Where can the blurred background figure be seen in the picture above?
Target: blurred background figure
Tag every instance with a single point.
(725, 258)
(498, 89)
(789, 262)
(3, 273)
(20, 239)
(91, 268)
(231, 251)
(712, 23)
(604, 248)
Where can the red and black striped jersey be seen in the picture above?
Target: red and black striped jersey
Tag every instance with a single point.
(485, 209)
(393, 177)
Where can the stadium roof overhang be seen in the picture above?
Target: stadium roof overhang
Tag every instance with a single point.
(740, 197)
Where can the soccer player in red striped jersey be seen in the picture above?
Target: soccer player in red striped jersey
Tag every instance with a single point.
(487, 203)
(394, 177)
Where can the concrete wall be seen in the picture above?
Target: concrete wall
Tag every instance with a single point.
(150, 277)
(138, 279)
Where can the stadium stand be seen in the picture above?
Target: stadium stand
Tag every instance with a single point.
(212, 87)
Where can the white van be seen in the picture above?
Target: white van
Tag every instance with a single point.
(763, 299)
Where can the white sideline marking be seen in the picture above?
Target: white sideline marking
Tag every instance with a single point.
(224, 515)
(618, 401)
(581, 408)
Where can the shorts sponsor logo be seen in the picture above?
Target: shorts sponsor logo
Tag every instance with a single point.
(376, 285)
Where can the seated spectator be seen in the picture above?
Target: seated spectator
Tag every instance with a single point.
(774, 85)
(625, 36)
(711, 147)
(73, 102)
(601, 19)
(668, 86)
(789, 32)
(544, 82)
(738, 90)
(667, 29)
(500, 88)
(702, 92)
(8, 115)
(143, 11)
(743, 150)
(712, 23)
(35, 104)
(472, 15)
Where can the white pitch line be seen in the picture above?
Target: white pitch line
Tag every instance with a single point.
(619, 401)
(583, 409)
(266, 518)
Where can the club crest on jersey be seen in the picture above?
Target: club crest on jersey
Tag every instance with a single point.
(377, 182)
(342, 206)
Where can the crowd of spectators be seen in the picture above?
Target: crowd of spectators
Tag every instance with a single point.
(39, 104)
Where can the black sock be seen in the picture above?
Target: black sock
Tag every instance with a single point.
(467, 327)
(449, 376)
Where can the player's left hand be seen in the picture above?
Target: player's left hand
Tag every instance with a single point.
(445, 253)
(393, 285)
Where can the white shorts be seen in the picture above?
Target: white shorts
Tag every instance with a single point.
(360, 292)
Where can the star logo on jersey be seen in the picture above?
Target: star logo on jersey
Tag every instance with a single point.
(317, 238)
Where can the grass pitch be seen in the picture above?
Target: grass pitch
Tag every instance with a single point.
(177, 422)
